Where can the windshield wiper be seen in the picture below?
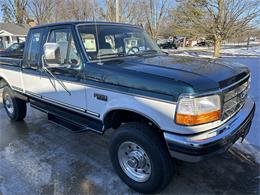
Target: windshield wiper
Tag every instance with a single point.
(112, 54)
(55, 78)
(144, 52)
(59, 81)
(121, 54)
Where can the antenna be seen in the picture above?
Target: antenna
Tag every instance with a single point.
(95, 21)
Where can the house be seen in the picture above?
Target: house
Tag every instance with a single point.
(11, 33)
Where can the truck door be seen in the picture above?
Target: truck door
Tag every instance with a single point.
(59, 86)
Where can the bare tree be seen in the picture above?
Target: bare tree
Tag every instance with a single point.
(108, 10)
(80, 9)
(14, 11)
(130, 11)
(41, 10)
(148, 13)
(155, 11)
(220, 19)
(59, 13)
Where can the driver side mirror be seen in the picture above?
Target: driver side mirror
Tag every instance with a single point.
(52, 54)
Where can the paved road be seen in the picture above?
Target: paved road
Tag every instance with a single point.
(39, 157)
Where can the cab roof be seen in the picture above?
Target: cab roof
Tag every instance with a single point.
(82, 22)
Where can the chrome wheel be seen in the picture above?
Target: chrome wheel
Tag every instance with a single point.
(9, 103)
(134, 161)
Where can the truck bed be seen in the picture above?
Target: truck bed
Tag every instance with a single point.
(10, 70)
(7, 61)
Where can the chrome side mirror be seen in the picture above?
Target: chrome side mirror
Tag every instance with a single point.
(52, 56)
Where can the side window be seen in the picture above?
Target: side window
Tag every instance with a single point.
(89, 42)
(68, 53)
(34, 50)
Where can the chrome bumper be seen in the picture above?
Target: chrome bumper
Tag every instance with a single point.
(196, 147)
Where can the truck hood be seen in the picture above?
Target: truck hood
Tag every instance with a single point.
(201, 74)
(172, 75)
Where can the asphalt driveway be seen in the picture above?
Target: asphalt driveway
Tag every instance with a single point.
(39, 157)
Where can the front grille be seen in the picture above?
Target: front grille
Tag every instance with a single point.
(234, 99)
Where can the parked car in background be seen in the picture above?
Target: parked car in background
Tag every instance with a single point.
(204, 43)
(15, 50)
(166, 44)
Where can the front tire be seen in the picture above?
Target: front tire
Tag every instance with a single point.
(14, 107)
(140, 158)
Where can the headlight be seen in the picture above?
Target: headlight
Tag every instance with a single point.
(195, 111)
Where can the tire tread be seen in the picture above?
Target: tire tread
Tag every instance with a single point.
(158, 145)
(20, 108)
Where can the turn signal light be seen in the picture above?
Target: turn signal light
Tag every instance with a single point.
(186, 119)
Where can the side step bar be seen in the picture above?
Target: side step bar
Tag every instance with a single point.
(74, 127)
(71, 120)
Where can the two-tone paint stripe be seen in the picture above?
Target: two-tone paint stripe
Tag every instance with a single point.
(58, 103)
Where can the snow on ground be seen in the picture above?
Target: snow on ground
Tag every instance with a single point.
(207, 52)
(242, 51)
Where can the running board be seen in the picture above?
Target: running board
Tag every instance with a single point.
(71, 120)
(74, 127)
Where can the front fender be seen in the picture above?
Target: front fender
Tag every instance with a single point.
(160, 113)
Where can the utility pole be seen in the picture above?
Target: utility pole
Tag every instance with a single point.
(117, 11)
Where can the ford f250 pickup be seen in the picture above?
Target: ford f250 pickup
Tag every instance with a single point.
(94, 76)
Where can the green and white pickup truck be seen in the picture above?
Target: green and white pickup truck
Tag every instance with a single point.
(94, 76)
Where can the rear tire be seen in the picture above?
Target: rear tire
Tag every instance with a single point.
(135, 149)
(14, 107)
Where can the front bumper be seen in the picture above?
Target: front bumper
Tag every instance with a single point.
(196, 147)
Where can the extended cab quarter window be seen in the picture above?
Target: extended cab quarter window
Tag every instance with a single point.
(69, 57)
(33, 55)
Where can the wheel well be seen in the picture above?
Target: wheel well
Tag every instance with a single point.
(3, 82)
(115, 118)
(20, 96)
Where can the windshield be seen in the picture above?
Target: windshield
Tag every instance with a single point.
(115, 41)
